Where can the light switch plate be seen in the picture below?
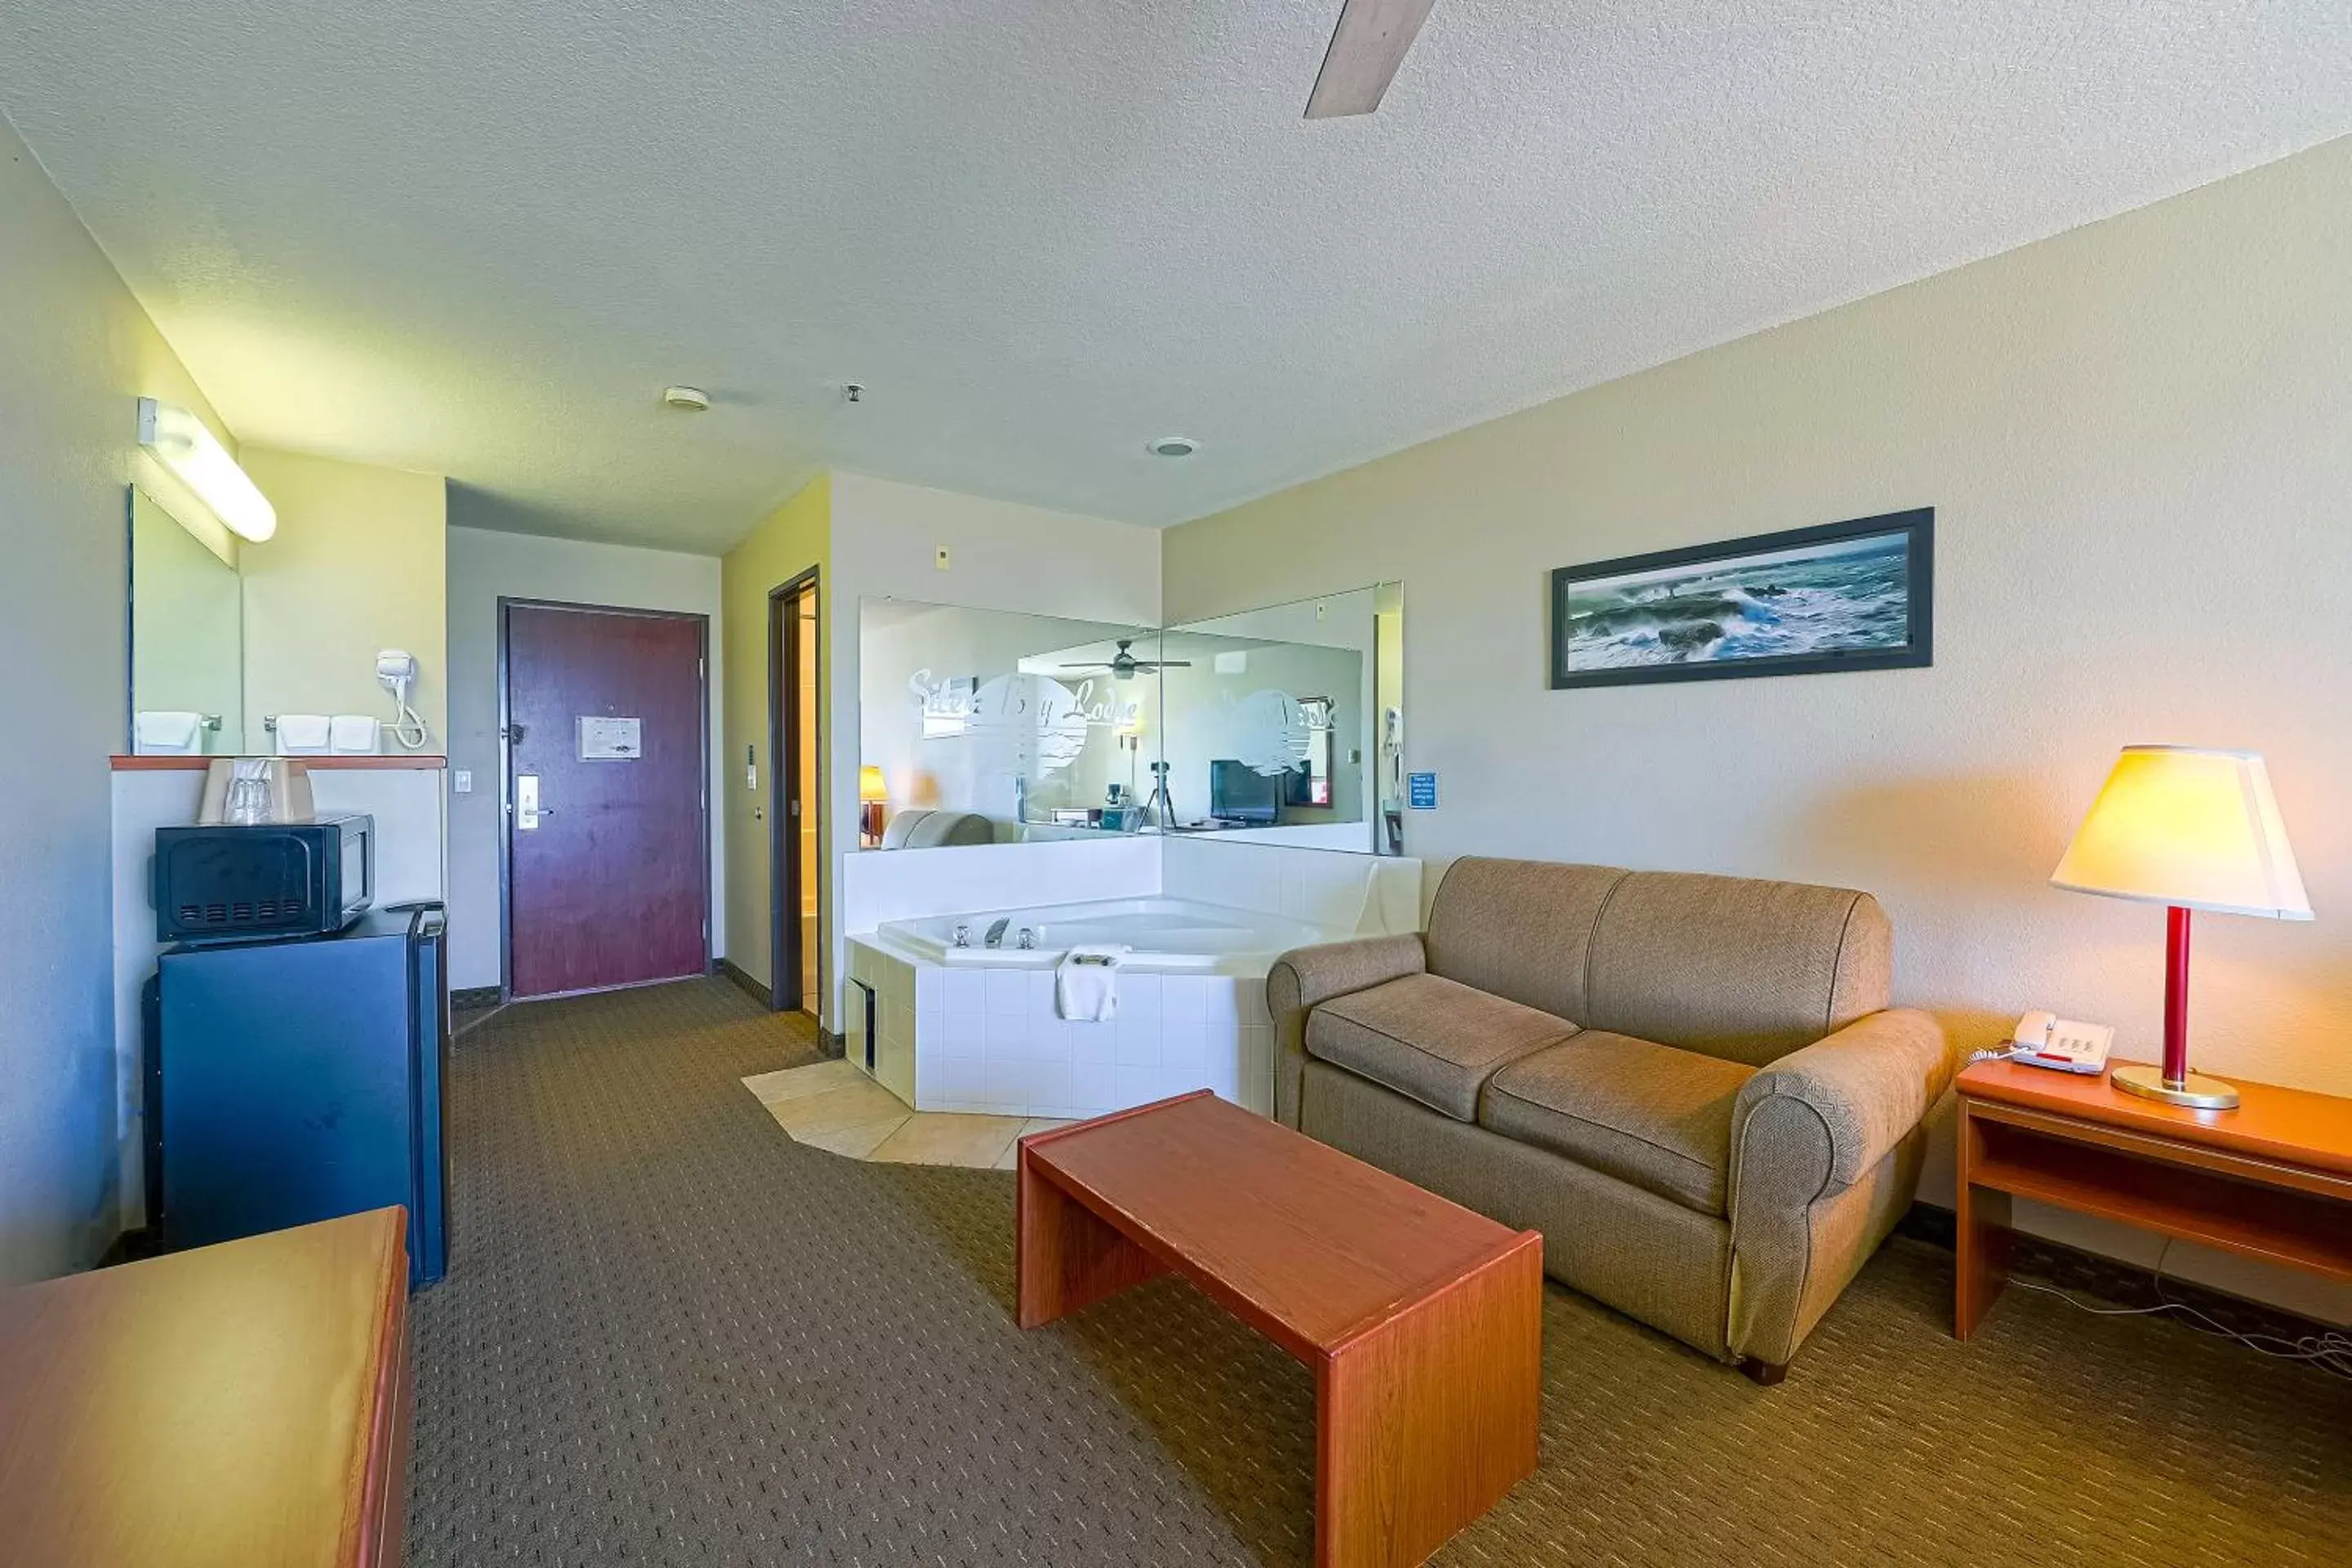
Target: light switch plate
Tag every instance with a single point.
(461, 781)
(939, 557)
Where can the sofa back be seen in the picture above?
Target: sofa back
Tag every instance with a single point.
(921, 829)
(1735, 967)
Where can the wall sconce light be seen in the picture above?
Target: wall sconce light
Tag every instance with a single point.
(180, 441)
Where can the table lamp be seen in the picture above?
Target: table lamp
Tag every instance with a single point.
(872, 794)
(2191, 828)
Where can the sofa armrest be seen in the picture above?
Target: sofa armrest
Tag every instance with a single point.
(1826, 1145)
(1305, 977)
(1822, 1118)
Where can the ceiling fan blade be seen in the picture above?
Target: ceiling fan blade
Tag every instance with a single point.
(1367, 47)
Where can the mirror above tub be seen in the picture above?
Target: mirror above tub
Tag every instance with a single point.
(1281, 725)
(187, 635)
(988, 726)
(1285, 725)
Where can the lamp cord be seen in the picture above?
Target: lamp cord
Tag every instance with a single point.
(2328, 1350)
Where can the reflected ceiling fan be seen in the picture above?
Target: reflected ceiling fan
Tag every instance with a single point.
(1125, 666)
(1367, 47)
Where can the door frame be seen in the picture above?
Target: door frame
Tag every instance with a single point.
(507, 602)
(785, 890)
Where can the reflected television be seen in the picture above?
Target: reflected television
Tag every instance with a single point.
(1242, 794)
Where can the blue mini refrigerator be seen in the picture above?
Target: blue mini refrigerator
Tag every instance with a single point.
(297, 1081)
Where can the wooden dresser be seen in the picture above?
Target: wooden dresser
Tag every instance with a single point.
(244, 1406)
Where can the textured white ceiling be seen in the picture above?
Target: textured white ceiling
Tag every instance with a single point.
(479, 239)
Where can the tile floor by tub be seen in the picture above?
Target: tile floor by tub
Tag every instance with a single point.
(835, 1107)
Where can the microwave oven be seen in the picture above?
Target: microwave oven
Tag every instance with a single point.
(287, 878)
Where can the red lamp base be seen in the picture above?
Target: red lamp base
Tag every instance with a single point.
(2173, 1083)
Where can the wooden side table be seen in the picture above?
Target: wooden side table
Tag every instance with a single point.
(2272, 1179)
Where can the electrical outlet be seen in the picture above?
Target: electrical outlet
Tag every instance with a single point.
(939, 557)
(461, 781)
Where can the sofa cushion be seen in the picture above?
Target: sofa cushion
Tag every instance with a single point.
(1434, 1039)
(1520, 928)
(1645, 1113)
(1733, 966)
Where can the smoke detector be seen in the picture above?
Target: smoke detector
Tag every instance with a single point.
(692, 399)
(1172, 447)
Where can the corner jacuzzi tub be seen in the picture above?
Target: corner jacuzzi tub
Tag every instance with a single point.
(977, 1029)
(1160, 933)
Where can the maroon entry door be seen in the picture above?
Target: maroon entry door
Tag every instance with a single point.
(608, 859)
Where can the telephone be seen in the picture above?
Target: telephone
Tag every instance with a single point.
(2046, 1040)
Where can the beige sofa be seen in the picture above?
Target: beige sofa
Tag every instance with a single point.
(1692, 1086)
(917, 828)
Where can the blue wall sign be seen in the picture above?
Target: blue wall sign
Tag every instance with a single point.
(1420, 791)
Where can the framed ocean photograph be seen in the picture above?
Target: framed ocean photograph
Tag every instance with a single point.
(1844, 595)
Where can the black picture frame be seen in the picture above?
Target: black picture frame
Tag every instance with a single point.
(1918, 526)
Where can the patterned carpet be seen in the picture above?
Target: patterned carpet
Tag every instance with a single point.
(672, 1337)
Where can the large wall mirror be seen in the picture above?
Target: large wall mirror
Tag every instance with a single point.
(1282, 724)
(188, 637)
(1286, 723)
(982, 726)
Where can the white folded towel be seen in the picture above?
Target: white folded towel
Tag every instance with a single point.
(353, 734)
(167, 733)
(304, 734)
(1085, 983)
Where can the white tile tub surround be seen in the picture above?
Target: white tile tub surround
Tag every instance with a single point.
(883, 885)
(1369, 895)
(987, 1039)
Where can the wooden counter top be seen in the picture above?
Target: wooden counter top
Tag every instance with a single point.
(2295, 1126)
(242, 1405)
(198, 764)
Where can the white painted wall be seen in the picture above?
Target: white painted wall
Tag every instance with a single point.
(75, 352)
(483, 566)
(1002, 556)
(2134, 435)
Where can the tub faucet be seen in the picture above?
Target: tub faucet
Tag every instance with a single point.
(996, 932)
(1028, 939)
(962, 937)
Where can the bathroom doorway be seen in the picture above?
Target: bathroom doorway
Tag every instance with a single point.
(796, 831)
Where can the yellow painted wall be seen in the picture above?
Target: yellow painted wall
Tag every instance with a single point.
(2135, 438)
(787, 542)
(359, 562)
(76, 355)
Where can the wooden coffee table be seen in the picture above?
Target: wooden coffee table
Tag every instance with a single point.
(1422, 1321)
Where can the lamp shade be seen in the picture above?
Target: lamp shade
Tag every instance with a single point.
(870, 786)
(2187, 826)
